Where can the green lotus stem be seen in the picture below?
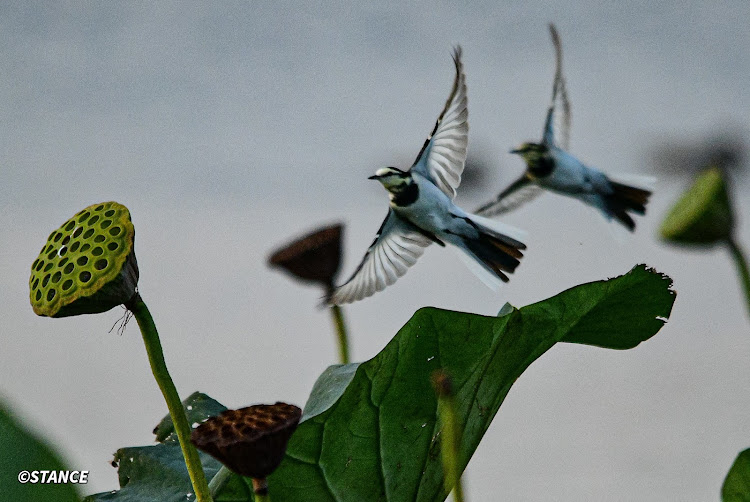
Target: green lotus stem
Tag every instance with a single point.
(338, 320)
(176, 411)
(260, 490)
(449, 451)
(450, 433)
(742, 267)
(220, 479)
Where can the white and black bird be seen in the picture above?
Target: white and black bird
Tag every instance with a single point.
(422, 212)
(549, 166)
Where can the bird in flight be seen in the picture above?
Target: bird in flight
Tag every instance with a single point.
(422, 212)
(549, 166)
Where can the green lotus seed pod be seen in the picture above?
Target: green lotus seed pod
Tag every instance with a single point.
(86, 266)
(703, 215)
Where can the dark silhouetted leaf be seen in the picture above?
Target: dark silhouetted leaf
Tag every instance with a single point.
(24, 452)
(736, 486)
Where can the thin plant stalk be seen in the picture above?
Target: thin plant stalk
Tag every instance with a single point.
(260, 490)
(449, 451)
(450, 433)
(219, 481)
(343, 338)
(741, 261)
(159, 368)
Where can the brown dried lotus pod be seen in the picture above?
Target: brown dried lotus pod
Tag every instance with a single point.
(87, 265)
(250, 441)
(316, 257)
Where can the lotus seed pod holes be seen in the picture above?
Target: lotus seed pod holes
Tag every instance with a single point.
(86, 253)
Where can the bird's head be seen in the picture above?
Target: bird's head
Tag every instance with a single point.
(393, 179)
(532, 153)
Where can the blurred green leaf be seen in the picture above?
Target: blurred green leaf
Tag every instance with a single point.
(21, 450)
(736, 486)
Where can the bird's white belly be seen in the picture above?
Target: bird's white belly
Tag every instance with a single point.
(571, 176)
(431, 211)
(426, 216)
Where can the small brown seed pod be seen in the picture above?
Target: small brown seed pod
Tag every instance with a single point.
(250, 441)
(315, 257)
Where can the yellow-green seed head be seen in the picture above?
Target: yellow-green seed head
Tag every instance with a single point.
(87, 265)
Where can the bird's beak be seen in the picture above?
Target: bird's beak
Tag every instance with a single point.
(373, 177)
(516, 151)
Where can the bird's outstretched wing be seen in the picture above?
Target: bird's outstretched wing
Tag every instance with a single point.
(396, 247)
(518, 193)
(443, 154)
(557, 126)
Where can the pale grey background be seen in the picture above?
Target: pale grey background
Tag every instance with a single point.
(229, 128)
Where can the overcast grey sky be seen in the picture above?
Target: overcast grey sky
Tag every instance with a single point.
(229, 127)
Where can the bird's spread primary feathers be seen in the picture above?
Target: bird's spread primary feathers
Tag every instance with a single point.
(550, 167)
(422, 211)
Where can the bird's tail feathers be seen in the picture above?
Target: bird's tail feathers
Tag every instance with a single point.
(499, 230)
(632, 198)
(641, 181)
(489, 279)
(625, 199)
(491, 256)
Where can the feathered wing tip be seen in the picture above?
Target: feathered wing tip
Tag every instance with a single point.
(557, 125)
(396, 247)
(517, 194)
(443, 154)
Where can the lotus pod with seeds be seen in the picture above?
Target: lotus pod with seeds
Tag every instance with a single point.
(703, 215)
(314, 257)
(250, 441)
(86, 266)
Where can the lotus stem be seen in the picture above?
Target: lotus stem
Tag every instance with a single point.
(343, 338)
(260, 489)
(450, 433)
(159, 368)
(220, 479)
(741, 261)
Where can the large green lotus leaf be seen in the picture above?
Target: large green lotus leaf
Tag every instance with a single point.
(158, 472)
(198, 407)
(151, 473)
(736, 486)
(22, 451)
(370, 431)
